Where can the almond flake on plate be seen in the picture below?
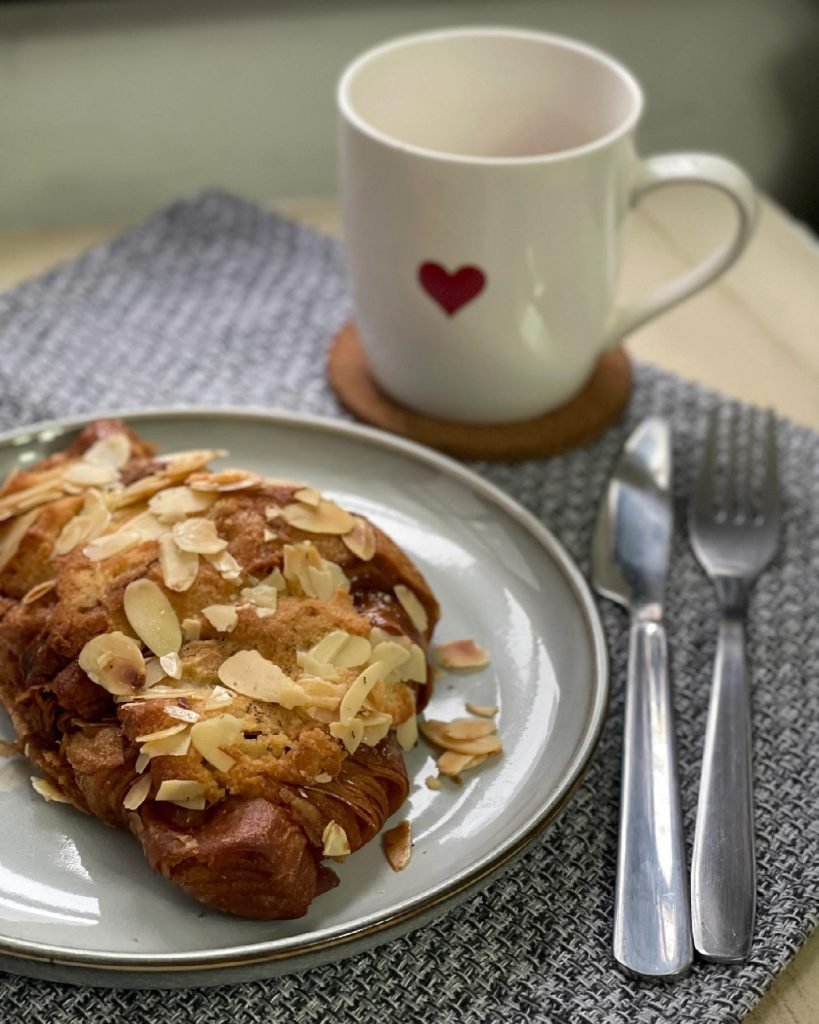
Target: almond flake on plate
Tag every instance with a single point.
(412, 606)
(397, 843)
(223, 617)
(483, 710)
(468, 728)
(463, 654)
(436, 732)
(432, 782)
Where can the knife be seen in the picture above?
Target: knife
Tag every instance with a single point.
(630, 555)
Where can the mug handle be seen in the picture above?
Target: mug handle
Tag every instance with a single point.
(691, 169)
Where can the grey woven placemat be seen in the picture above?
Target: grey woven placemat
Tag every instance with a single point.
(214, 301)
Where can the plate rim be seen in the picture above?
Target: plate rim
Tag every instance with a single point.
(423, 907)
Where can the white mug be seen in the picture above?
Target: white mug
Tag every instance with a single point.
(486, 174)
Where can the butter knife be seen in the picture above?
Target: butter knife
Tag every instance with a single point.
(630, 555)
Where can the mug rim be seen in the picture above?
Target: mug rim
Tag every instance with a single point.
(627, 125)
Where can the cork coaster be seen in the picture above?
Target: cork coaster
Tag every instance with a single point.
(592, 410)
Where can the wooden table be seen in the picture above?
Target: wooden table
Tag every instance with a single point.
(753, 335)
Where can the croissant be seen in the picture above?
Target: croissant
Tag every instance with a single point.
(225, 664)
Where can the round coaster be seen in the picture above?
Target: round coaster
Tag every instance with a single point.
(592, 410)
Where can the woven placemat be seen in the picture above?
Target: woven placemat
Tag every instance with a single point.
(215, 301)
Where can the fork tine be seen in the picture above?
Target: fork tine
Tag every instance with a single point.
(704, 494)
(730, 495)
(769, 505)
(743, 482)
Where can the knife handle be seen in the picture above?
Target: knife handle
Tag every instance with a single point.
(652, 919)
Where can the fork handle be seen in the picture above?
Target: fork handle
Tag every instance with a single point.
(723, 875)
(652, 924)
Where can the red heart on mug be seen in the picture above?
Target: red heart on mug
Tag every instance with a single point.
(451, 290)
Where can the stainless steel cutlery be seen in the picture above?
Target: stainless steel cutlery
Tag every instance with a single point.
(733, 525)
(630, 554)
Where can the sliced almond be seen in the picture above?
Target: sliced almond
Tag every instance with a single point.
(139, 491)
(154, 672)
(85, 474)
(11, 536)
(225, 564)
(199, 535)
(114, 662)
(112, 451)
(161, 734)
(361, 540)
(137, 794)
(91, 522)
(152, 617)
(358, 691)
(461, 654)
(389, 654)
(397, 843)
(179, 568)
(269, 535)
(181, 464)
(171, 665)
(48, 791)
(38, 590)
(415, 668)
(376, 727)
(177, 503)
(450, 763)
(176, 745)
(435, 732)
(249, 673)
(468, 728)
(323, 777)
(308, 496)
(407, 733)
(191, 629)
(225, 480)
(483, 710)
(219, 698)
(321, 693)
(326, 517)
(183, 714)
(111, 544)
(183, 793)
(335, 840)
(223, 617)
(342, 649)
(351, 733)
(262, 595)
(432, 782)
(212, 734)
(412, 606)
(313, 667)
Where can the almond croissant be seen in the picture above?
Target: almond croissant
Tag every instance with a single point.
(224, 664)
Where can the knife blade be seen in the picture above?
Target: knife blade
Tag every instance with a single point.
(630, 556)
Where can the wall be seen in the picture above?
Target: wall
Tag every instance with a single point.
(109, 109)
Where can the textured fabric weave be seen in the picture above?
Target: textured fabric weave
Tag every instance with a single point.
(214, 301)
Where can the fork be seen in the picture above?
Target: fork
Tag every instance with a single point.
(734, 533)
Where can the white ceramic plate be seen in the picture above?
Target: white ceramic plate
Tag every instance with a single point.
(77, 901)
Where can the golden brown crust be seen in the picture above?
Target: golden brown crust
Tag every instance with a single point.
(257, 845)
